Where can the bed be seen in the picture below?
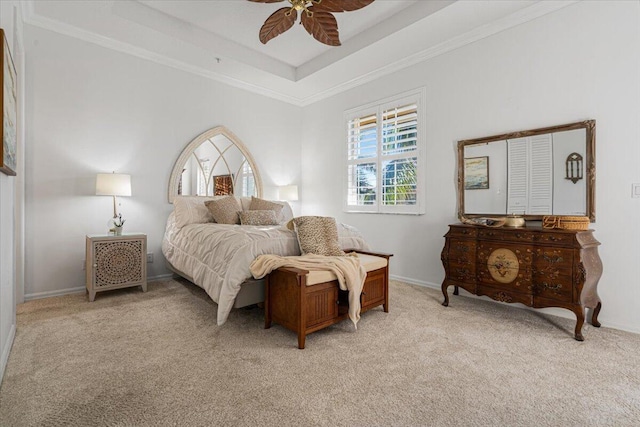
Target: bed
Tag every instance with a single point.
(216, 257)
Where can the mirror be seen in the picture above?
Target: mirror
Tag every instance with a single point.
(546, 171)
(215, 163)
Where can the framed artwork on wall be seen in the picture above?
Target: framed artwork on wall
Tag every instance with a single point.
(476, 173)
(9, 110)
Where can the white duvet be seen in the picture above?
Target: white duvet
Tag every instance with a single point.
(218, 256)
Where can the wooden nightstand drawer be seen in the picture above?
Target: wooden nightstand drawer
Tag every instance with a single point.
(115, 262)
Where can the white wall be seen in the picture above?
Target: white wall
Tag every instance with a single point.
(91, 110)
(11, 197)
(582, 62)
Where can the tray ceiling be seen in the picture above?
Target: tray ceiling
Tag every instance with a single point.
(219, 39)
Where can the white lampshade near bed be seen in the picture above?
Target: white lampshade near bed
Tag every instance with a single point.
(288, 193)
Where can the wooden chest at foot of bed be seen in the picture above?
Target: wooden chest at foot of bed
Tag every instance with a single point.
(305, 301)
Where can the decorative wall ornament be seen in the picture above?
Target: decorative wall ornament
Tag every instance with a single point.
(574, 167)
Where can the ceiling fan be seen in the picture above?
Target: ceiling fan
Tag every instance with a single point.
(315, 15)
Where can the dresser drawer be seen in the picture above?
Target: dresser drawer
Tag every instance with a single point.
(523, 253)
(461, 273)
(519, 236)
(462, 252)
(504, 265)
(505, 294)
(490, 233)
(521, 281)
(551, 237)
(461, 231)
(552, 260)
(559, 288)
(553, 273)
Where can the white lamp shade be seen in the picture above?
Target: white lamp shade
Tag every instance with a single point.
(288, 193)
(113, 184)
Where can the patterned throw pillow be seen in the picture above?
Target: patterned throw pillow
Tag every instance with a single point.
(318, 235)
(265, 205)
(258, 218)
(225, 210)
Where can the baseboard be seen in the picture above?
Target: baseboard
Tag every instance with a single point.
(78, 290)
(161, 277)
(6, 351)
(411, 281)
(550, 311)
(56, 293)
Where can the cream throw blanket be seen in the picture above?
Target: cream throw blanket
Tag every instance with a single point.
(348, 269)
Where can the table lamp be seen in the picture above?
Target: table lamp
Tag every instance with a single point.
(113, 184)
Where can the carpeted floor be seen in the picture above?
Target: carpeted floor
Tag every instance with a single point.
(157, 358)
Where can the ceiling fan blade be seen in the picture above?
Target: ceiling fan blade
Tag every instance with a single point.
(266, 1)
(279, 22)
(340, 5)
(322, 26)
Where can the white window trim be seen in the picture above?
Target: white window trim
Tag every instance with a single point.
(419, 98)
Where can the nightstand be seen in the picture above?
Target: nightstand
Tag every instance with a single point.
(115, 262)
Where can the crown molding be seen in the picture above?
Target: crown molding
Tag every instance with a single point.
(532, 12)
(31, 18)
(520, 17)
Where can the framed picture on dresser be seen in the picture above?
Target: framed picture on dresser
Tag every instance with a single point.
(9, 110)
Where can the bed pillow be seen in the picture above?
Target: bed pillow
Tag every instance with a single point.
(258, 204)
(225, 210)
(191, 210)
(258, 218)
(318, 235)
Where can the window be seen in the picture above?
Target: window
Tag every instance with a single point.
(248, 180)
(385, 156)
(203, 177)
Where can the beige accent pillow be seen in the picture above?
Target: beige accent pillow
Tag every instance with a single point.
(225, 210)
(191, 210)
(258, 218)
(265, 205)
(318, 235)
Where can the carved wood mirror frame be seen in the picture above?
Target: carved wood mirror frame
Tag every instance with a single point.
(590, 164)
(176, 173)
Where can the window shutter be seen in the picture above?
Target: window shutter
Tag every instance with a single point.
(518, 186)
(399, 156)
(541, 187)
(363, 139)
(400, 130)
(362, 148)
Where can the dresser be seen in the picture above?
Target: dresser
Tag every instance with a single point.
(115, 262)
(533, 266)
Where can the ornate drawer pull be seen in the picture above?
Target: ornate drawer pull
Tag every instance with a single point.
(552, 287)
